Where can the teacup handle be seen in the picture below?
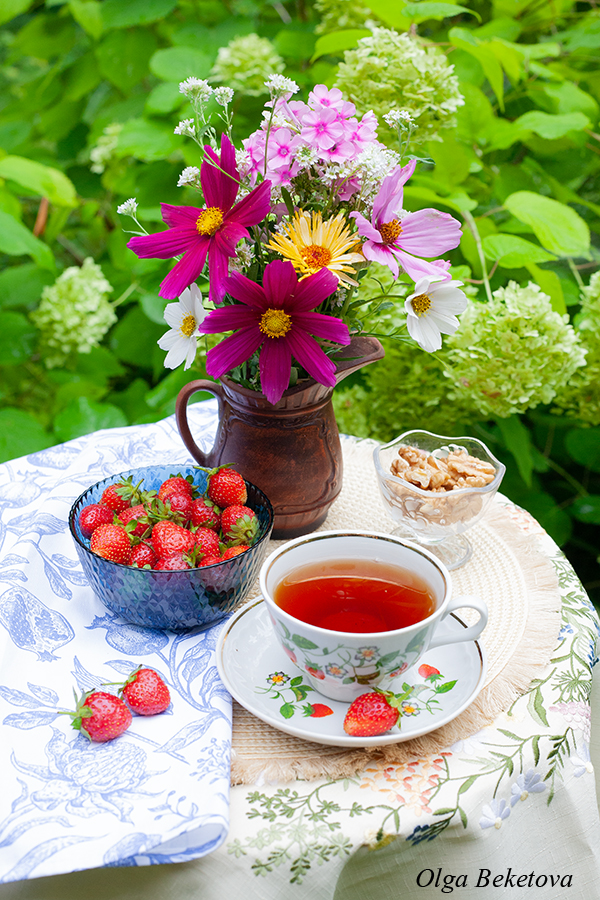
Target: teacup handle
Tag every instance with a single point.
(469, 634)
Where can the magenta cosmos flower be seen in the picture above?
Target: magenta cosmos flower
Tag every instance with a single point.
(278, 318)
(214, 230)
(393, 236)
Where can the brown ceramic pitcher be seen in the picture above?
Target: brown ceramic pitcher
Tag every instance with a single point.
(292, 450)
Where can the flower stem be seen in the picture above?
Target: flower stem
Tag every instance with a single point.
(470, 221)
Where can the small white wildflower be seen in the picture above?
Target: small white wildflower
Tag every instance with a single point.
(189, 176)
(196, 89)
(278, 85)
(245, 253)
(187, 127)
(128, 208)
(397, 117)
(306, 156)
(223, 95)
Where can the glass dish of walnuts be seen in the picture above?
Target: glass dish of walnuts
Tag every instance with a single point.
(436, 488)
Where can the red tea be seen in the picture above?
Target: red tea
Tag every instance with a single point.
(360, 596)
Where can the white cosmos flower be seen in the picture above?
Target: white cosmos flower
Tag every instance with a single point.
(184, 318)
(432, 310)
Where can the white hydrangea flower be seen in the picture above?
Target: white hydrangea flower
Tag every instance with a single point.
(196, 89)
(129, 208)
(186, 127)
(223, 95)
(432, 311)
(181, 341)
(189, 176)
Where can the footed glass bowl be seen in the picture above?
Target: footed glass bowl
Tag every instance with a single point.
(437, 519)
(189, 598)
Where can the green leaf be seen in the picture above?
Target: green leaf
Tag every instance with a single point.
(146, 140)
(23, 285)
(9, 9)
(583, 445)
(39, 179)
(551, 284)
(164, 98)
(17, 240)
(123, 57)
(17, 339)
(133, 338)
(421, 12)
(587, 509)
(535, 705)
(510, 58)
(517, 439)
(391, 12)
(464, 40)
(287, 710)
(83, 416)
(467, 784)
(552, 127)
(117, 14)
(88, 14)
(303, 642)
(444, 688)
(458, 201)
(557, 227)
(179, 63)
(512, 252)
(296, 681)
(336, 42)
(20, 434)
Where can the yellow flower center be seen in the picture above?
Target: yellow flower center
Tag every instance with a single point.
(188, 325)
(390, 231)
(421, 303)
(209, 220)
(274, 323)
(316, 257)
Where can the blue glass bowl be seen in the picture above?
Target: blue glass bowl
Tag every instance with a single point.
(189, 598)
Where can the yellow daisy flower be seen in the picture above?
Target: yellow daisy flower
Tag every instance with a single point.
(312, 244)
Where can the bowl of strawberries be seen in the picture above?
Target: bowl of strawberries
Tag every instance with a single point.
(172, 548)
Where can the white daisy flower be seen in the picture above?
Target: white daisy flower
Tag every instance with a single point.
(432, 311)
(184, 317)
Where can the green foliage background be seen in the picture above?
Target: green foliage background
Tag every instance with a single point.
(523, 161)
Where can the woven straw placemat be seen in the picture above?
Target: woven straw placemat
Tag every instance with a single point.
(517, 582)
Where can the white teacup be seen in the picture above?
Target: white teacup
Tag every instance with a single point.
(342, 664)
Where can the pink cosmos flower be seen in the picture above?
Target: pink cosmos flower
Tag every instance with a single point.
(277, 318)
(392, 238)
(213, 231)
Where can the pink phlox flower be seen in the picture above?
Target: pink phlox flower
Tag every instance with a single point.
(348, 189)
(321, 95)
(213, 231)
(363, 132)
(283, 177)
(255, 148)
(340, 152)
(276, 317)
(393, 236)
(321, 129)
(281, 147)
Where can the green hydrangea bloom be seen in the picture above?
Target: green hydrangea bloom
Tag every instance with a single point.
(340, 15)
(512, 353)
(580, 398)
(395, 71)
(103, 150)
(74, 313)
(246, 63)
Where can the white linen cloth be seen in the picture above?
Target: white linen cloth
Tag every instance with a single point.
(159, 793)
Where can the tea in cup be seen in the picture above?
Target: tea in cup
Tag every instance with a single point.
(353, 608)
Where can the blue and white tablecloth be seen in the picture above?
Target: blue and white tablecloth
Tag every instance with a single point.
(160, 793)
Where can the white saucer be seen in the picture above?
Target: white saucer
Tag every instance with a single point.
(257, 672)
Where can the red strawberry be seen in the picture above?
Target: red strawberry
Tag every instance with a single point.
(112, 542)
(429, 672)
(239, 525)
(235, 551)
(145, 692)
(210, 561)
(371, 714)
(168, 538)
(208, 541)
(113, 499)
(319, 710)
(143, 555)
(173, 563)
(177, 484)
(100, 716)
(180, 502)
(206, 514)
(226, 487)
(139, 514)
(93, 515)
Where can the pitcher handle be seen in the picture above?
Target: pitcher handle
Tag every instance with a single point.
(181, 404)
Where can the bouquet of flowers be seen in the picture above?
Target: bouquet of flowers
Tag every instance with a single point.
(287, 225)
